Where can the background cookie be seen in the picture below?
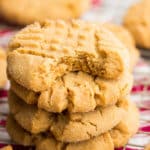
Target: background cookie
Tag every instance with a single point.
(28, 11)
(127, 39)
(77, 92)
(37, 59)
(137, 22)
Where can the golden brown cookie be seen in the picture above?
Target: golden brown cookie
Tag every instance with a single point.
(18, 134)
(84, 125)
(28, 11)
(42, 53)
(3, 76)
(137, 22)
(128, 126)
(127, 39)
(104, 141)
(28, 116)
(77, 92)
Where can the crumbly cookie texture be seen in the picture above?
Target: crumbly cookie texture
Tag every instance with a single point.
(43, 52)
(29, 96)
(19, 135)
(3, 76)
(128, 126)
(127, 39)
(41, 10)
(104, 141)
(6, 148)
(85, 125)
(28, 116)
(137, 22)
(77, 92)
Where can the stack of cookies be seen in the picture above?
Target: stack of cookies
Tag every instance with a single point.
(70, 85)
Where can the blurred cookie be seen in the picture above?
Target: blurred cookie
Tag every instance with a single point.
(147, 147)
(3, 76)
(28, 11)
(40, 55)
(6, 148)
(137, 22)
(84, 125)
(77, 92)
(127, 39)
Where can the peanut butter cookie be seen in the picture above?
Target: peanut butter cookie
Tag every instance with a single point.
(128, 126)
(40, 53)
(84, 125)
(110, 140)
(19, 135)
(28, 11)
(137, 22)
(28, 116)
(77, 92)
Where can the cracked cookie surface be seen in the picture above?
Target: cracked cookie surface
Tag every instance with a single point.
(84, 125)
(118, 136)
(40, 53)
(41, 10)
(128, 126)
(28, 116)
(102, 142)
(76, 92)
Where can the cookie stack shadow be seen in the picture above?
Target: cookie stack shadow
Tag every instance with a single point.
(70, 88)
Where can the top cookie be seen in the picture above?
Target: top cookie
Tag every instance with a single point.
(28, 11)
(137, 21)
(3, 77)
(127, 39)
(43, 52)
